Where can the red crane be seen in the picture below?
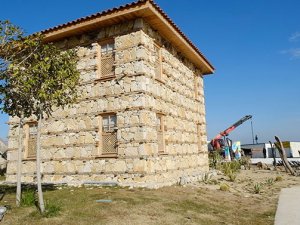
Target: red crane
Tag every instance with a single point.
(217, 142)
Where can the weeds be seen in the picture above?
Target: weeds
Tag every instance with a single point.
(270, 181)
(52, 209)
(278, 178)
(245, 161)
(28, 198)
(257, 188)
(230, 169)
(215, 159)
(232, 176)
(206, 178)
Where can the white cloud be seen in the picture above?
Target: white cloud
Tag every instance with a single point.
(293, 52)
(295, 37)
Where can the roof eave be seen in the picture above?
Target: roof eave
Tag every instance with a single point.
(142, 9)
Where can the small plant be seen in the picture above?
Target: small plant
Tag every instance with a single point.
(214, 181)
(206, 178)
(232, 176)
(278, 178)
(224, 187)
(245, 161)
(270, 181)
(257, 188)
(28, 198)
(215, 159)
(51, 210)
(231, 167)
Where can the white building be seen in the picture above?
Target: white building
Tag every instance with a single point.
(264, 150)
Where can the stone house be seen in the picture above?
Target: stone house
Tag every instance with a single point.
(140, 119)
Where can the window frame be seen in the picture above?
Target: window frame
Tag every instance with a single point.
(197, 88)
(26, 128)
(100, 44)
(161, 118)
(158, 63)
(199, 136)
(102, 132)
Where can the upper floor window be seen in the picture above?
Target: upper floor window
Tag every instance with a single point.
(107, 59)
(196, 86)
(157, 64)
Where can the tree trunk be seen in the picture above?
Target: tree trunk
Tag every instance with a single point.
(19, 164)
(281, 150)
(38, 166)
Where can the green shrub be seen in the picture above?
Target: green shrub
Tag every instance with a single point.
(232, 176)
(245, 161)
(278, 178)
(28, 198)
(224, 187)
(230, 167)
(215, 159)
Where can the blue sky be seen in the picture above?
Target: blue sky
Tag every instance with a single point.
(254, 46)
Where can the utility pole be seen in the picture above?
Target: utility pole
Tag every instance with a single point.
(252, 131)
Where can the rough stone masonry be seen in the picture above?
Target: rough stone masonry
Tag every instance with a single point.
(160, 123)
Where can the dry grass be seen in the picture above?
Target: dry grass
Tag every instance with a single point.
(197, 204)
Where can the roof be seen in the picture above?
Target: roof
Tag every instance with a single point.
(146, 9)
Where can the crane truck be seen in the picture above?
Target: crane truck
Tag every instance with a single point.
(219, 141)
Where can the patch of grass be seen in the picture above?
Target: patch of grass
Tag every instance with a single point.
(52, 209)
(278, 178)
(28, 198)
(189, 205)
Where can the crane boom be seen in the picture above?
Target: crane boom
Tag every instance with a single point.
(228, 130)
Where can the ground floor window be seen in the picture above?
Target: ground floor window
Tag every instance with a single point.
(160, 133)
(109, 134)
(30, 139)
(199, 136)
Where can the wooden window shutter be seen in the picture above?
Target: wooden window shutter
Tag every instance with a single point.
(157, 63)
(109, 135)
(107, 59)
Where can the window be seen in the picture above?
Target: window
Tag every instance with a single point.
(157, 64)
(109, 135)
(160, 133)
(199, 137)
(30, 139)
(196, 84)
(107, 59)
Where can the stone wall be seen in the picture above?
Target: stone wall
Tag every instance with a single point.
(70, 151)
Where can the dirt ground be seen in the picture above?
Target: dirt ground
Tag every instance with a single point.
(251, 199)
